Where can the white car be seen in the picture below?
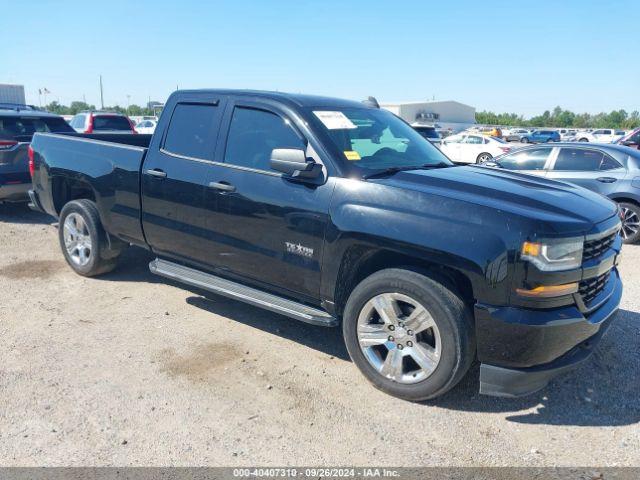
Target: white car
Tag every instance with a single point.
(567, 133)
(601, 135)
(473, 148)
(146, 126)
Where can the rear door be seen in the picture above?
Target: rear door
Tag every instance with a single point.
(174, 179)
(588, 167)
(268, 230)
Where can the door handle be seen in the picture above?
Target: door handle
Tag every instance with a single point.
(156, 172)
(606, 179)
(222, 186)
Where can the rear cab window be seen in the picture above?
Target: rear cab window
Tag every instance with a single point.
(192, 130)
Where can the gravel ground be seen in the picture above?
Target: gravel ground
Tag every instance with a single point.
(130, 370)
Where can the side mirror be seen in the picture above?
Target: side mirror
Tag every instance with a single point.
(294, 162)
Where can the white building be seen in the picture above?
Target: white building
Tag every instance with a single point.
(12, 93)
(447, 114)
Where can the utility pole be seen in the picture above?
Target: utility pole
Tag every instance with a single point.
(128, 102)
(101, 95)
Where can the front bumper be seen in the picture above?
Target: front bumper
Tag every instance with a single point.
(521, 350)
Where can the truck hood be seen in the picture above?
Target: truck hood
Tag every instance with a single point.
(566, 207)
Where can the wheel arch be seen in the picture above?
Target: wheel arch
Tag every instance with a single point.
(361, 261)
(65, 189)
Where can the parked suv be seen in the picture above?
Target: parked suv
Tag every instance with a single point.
(18, 123)
(102, 122)
(540, 136)
(334, 213)
(611, 170)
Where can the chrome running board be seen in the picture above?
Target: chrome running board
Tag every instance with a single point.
(237, 291)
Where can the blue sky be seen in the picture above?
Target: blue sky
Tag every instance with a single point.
(581, 55)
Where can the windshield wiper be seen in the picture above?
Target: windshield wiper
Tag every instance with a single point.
(392, 170)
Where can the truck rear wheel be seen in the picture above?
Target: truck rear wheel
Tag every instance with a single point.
(409, 334)
(83, 240)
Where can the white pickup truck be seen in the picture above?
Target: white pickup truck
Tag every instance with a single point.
(602, 135)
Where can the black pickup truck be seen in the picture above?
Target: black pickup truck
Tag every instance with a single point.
(337, 212)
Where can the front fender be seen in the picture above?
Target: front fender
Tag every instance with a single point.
(430, 228)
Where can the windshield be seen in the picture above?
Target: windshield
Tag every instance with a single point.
(372, 139)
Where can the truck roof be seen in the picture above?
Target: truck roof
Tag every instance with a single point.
(25, 113)
(297, 99)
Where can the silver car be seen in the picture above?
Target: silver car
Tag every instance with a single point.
(611, 170)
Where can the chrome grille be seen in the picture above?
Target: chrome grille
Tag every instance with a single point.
(590, 288)
(595, 248)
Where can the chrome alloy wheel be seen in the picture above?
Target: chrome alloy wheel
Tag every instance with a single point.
(399, 338)
(630, 223)
(77, 240)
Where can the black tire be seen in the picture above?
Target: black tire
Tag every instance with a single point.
(583, 140)
(483, 157)
(101, 259)
(450, 314)
(631, 212)
(524, 140)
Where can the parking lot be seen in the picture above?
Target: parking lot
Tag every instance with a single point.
(130, 370)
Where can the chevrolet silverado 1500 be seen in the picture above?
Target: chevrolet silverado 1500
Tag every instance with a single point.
(335, 212)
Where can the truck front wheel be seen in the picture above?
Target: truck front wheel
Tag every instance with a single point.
(83, 241)
(409, 334)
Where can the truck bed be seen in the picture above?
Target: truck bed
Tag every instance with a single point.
(136, 140)
(107, 164)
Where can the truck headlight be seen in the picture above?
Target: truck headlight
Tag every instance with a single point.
(554, 255)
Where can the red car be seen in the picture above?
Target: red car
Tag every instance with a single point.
(631, 139)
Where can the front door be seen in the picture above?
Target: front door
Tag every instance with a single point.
(267, 229)
(174, 181)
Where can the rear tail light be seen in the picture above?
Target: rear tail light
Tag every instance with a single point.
(90, 127)
(32, 163)
(7, 144)
(133, 127)
(505, 149)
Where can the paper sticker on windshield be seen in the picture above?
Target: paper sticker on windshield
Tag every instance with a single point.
(334, 120)
(352, 155)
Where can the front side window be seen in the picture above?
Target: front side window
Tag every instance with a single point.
(532, 159)
(373, 139)
(584, 160)
(191, 131)
(253, 134)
